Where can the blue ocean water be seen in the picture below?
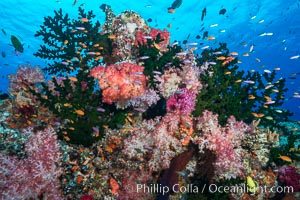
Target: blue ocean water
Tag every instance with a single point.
(271, 27)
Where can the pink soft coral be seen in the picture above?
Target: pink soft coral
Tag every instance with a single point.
(224, 142)
(120, 82)
(183, 100)
(36, 175)
(26, 75)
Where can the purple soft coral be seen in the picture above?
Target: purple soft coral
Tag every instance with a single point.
(288, 176)
(182, 100)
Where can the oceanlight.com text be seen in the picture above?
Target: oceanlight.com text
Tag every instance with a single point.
(243, 188)
(212, 188)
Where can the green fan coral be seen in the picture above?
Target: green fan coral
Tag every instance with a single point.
(229, 91)
(74, 47)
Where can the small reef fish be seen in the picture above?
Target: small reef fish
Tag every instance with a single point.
(222, 11)
(294, 57)
(234, 53)
(266, 34)
(253, 17)
(261, 21)
(251, 96)
(249, 82)
(269, 118)
(84, 19)
(3, 31)
(75, 2)
(269, 102)
(217, 53)
(171, 10)
(79, 112)
(251, 48)
(192, 44)
(144, 57)
(73, 79)
(212, 63)
(258, 115)
(252, 185)
(100, 109)
(267, 71)
(205, 47)
(221, 58)
(211, 38)
(296, 96)
(80, 28)
(269, 86)
(285, 158)
(203, 14)
(64, 63)
(156, 72)
(16, 44)
(176, 4)
(214, 25)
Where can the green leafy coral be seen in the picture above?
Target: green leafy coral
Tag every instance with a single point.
(229, 91)
(74, 47)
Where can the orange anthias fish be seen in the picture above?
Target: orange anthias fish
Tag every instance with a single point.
(285, 158)
(211, 38)
(221, 58)
(171, 10)
(79, 112)
(114, 186)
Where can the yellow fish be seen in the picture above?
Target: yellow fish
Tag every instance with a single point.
(252, 185)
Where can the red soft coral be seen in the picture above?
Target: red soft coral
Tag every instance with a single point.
(120, 82)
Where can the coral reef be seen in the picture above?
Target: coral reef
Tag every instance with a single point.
(159, 115)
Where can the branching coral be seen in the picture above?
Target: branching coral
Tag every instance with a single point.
(37, 175)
